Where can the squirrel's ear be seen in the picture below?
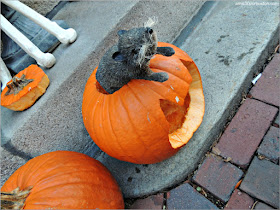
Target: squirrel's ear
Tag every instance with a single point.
(121, 32)
(117, 56)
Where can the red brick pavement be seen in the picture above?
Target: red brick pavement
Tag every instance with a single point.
(218, 177)
(239, 200)
(267, 88)
(245, 132)
(151, 202)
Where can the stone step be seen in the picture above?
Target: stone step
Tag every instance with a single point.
(225, 42)
(229, 49)
(55, 122)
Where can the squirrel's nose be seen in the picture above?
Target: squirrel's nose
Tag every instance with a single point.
(149, 30)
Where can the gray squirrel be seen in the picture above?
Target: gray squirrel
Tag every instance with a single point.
(129, 59)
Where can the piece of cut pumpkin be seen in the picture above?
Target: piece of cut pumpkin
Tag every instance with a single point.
(25, 88)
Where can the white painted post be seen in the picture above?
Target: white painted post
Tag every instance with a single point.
(43, 59)
(5, 75)
(65, 36)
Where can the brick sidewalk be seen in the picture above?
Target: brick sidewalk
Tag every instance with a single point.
(242, 169)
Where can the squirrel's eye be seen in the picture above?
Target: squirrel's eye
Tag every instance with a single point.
(150, 31)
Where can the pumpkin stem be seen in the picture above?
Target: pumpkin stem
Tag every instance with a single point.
(14, 199)
(17, 84)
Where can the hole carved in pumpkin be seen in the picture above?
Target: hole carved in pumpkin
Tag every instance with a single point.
(174, 113)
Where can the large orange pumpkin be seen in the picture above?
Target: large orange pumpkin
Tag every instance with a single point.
(25, 88)
(145, 121)
(61, 180)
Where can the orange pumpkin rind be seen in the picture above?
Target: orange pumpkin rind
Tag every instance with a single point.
(130, 124)
(27, 95)
(62, 180)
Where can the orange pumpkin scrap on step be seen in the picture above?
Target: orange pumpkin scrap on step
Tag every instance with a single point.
(145, 121)
(24, 88)
(61, 180)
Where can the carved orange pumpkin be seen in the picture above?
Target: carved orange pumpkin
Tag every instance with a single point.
(61, 180)
(145, 121)
(25, 88)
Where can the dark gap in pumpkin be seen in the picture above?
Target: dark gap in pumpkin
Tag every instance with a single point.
(174, 113)
(100, 89)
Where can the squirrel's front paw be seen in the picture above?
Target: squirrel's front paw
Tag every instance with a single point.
(170, 52)
(166, 51)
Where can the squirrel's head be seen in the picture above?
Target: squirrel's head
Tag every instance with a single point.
(136, 46)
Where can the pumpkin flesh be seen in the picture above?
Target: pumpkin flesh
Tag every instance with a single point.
(139, 122)
(196, 103)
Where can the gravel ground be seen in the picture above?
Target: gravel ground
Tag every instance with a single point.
(43, 6)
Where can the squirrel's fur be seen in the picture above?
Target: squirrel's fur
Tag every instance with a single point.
(129, 59)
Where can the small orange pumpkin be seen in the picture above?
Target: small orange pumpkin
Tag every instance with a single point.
(24, 88)
(145, 121)
(61, 180)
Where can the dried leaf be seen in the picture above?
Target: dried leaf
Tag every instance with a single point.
(216, 151)
(254, 205)
(238, 184)
(261, 157)
(228, 159)
(204, 193)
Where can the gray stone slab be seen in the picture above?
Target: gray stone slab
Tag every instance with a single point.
(270, 145)
(55, 122)
(262, 181)
(186, 197)
(9, 164)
